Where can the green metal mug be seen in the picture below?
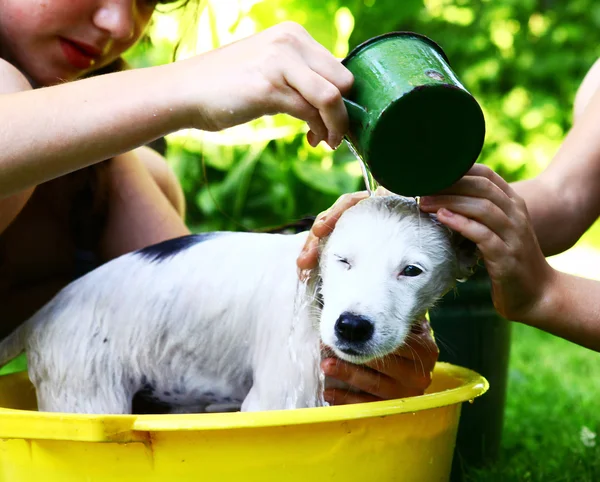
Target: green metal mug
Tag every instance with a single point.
(412, 122)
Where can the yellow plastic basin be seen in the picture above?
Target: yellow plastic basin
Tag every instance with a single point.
(407, 440)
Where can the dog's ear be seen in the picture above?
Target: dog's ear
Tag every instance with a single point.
(467, 255)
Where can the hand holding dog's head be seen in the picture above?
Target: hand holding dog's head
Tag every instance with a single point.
(382, 268)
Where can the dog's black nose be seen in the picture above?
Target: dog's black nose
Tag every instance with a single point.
(353, 328)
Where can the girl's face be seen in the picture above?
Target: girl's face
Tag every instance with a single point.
(53, 41)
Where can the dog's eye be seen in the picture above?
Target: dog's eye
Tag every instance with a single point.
(411, 270)
(344, 261)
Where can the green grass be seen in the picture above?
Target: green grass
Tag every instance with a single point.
(552, 413)
(17, 365)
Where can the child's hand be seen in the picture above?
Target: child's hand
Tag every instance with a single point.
(324, 224)
(279, 70)
(405, 373)
(485, 209)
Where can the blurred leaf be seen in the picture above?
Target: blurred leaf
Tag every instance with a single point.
(332, 180)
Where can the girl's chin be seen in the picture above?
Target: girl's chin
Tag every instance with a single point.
(48, 79)
(53, 75)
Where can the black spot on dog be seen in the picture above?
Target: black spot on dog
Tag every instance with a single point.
(105, 340)
(145, 400)
(168, 394)
(166, 249)
(177, 391)
(209, 394)
(143, 404)
(148, 389)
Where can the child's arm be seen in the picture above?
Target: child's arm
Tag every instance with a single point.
(567, 193)
(12, 81)
(571, 310)
(51, 131)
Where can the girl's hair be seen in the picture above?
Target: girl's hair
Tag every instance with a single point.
(182, 3)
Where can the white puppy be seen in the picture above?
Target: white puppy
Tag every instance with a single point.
(221, 317)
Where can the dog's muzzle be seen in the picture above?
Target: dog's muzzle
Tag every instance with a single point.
(353, 332)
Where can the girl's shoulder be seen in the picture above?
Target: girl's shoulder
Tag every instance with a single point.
(11, 78)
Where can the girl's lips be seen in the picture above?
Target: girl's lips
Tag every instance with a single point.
(79, 56)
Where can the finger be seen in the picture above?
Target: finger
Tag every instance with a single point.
(312, 138)
(472, 187)
(309, 256)
(363, 378)
(419, 341)
(420, 344)
(423, 329)
(485, 171)
(317, 55)
(335, 396)
(287, 99)
(323, 214)
(489, 243)
(404, 373)
(326, 65)
(481, 210)
(324, 96)
(325, 225)
(421, 348)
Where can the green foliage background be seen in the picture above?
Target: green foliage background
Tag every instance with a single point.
(522, 60)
